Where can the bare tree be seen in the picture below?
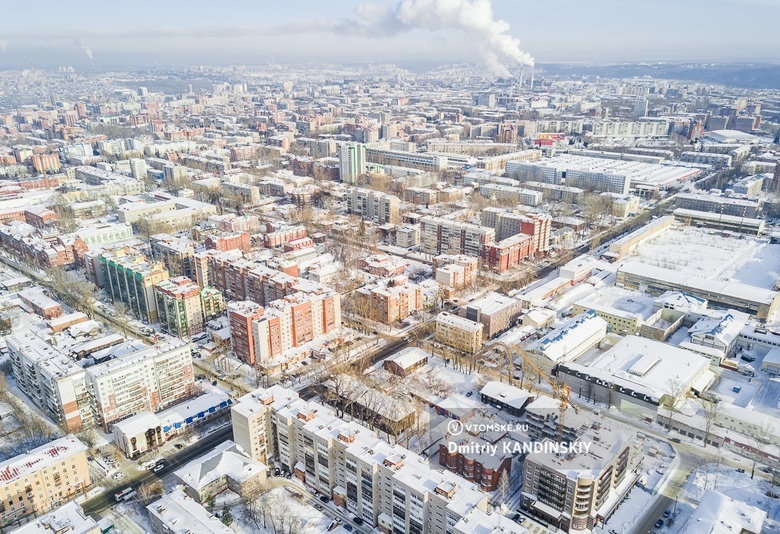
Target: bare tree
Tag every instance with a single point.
(760, 437)
(711, 411)
(149, 491)
(122, 316)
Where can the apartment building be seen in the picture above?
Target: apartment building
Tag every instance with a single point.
(459, 333)
(519, 195)
(53, 381)
(390, 300)
(241, 315)
(229, 241)
(445, 236)
(457, 271)
(175, 252)
(508, 224)
(184, 307)
(276, 237)
(373, 205)
(508, 253)
(140, 378)
(581, 490)
(386, 485)
(495, 311)
(130, 278)
(292, 322)
(352, 161)
(42, 479)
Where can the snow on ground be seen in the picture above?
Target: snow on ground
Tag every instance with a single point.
(690, 250)
(312, 521)
(728, 481)
(762, 269)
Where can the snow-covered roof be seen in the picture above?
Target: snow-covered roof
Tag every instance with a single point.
(631, 358)
(719, 514)
(684, 281)
(69, 518)
(408, 357)
(181, 514)
(506, 394)
(35, 460)
(227, 459)
(570, 337)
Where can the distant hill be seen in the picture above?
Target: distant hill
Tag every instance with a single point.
(746, 75)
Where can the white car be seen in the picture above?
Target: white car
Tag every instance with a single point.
(118, 476)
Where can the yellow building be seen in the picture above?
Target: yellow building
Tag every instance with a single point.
(42, 479)
(458, 332)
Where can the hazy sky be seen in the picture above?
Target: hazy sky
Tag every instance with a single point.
(145, 32)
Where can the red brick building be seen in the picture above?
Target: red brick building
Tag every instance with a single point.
(507, 253)
(241, 316)
(482, 469)
(235, 241)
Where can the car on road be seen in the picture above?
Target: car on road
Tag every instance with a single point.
(357, 520)
(324, 499)
(157, 468)
(124, 494)
(675, 440)
(118, 476)
(318, 506)
(312, 491)
(667, 513)
(659, 523)
(469, 393)
(740, 470)
(348, 528)
(277, 472)
(178, 446)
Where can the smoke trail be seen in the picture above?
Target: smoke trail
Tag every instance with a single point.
(85, 48)
(472, 17)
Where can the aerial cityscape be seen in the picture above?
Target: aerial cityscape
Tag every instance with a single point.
(403, 267)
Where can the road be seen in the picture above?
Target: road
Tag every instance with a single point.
(106, 499)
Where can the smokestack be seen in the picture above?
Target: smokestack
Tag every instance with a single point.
(533, 72)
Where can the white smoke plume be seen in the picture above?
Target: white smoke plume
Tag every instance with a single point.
(474, 18)
(85, 48)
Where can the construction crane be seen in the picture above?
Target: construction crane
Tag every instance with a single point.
(561, 392)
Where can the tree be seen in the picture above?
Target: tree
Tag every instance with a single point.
(712, 411)
(150, 491)
(122, 316)
(675, 394)
(227, 517)
(760, 437)
(504, 490)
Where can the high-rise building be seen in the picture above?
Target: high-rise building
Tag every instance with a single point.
(445, 236)
(143, 379)
(374, 206)
(130, 278)
(570, 491)
(241, 315)
(352, 162)
(387, 486)
(138, 168)
(183, 306)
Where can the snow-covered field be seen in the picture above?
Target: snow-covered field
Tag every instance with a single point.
(706, 253)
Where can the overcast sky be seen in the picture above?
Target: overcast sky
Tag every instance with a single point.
(164, 32)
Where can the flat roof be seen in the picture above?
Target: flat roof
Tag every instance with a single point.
(181, 514)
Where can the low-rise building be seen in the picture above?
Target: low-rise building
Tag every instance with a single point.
(178, 513)
(42, 479)
(227, 466)
(458, 333)
(69, 518)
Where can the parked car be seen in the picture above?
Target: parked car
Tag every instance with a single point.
(324, 499)
(667, 513)
(157, 468)
(659, 523)
(178, 446)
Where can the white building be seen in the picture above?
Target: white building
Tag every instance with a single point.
(569, 341)
(178, 513)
